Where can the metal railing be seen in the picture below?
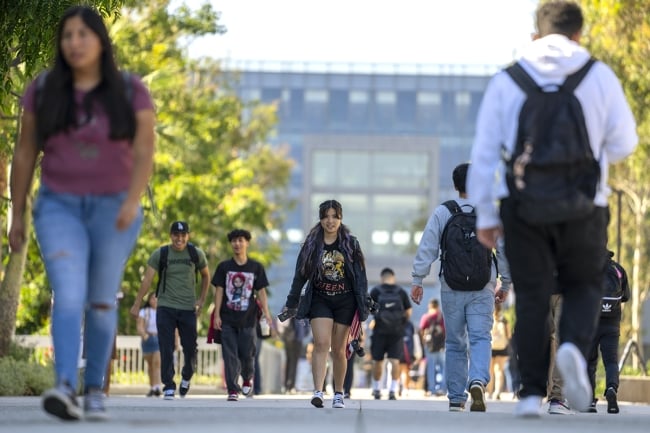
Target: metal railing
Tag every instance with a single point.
(629, 346)
(128, 359)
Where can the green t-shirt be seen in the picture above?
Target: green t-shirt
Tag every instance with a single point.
(179, 290)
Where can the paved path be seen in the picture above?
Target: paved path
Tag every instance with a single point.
(289, 414)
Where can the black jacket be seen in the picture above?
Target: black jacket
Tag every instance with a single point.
(300, 294)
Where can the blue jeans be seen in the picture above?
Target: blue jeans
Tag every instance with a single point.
(84, 256)
(468, 344)
(436, 366)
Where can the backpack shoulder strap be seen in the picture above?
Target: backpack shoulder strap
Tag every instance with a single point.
(162, 267)
(453, 206)
(194, 254)
(574, 79)
(523, 80)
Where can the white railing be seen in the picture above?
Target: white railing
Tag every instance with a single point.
(128, 358)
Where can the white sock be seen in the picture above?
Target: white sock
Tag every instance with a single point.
(393, 385)
(376, 385)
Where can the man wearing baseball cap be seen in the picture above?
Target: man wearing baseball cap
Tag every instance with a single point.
(176, 265)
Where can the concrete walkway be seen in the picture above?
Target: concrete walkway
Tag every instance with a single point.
(288, 414)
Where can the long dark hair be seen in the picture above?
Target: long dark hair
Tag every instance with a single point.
(312, 249)
(55, 105)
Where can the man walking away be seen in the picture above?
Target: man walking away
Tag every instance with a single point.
(549, 128)
(388, 333)
(468, 280)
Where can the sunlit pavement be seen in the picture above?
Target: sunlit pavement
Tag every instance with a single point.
(210, 412)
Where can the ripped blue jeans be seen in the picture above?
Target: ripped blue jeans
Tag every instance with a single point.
(84, 256)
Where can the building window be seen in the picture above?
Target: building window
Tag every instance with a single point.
(338, 107)
(406, 108)
(385, 102)
(359, 109)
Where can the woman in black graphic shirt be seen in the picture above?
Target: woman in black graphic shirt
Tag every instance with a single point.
(331, 263)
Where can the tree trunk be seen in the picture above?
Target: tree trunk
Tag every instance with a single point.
(10, 289)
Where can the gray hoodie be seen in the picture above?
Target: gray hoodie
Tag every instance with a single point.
(429, 249)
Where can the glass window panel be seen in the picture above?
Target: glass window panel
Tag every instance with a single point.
(358, 97)
(338, 106)
(380, 237)
(353, 169)
(385, 97)
(401, 237)
(406, 107)
(324, 167)
(316, 96)
(429, 98)
(400, 170)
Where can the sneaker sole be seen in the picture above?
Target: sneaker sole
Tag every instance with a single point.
(58, 404)
(478, 400)
(456, 409)
(338, 406)
(317, 402)
(573, 369)
(612, 404)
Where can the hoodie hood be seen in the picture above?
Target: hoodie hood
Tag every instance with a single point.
(551, 58)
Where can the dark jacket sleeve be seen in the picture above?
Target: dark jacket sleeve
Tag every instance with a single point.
(299, 280)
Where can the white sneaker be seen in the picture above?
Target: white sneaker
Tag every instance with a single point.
(573, 369)
(559, 407)
(337, 401)
(529, 407)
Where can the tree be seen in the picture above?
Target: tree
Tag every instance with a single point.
(618, 32)
(28, 30)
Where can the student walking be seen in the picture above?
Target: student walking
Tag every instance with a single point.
(432, 335)
(97, 141)
(148, 331)
(178, 305)
(332, 265)
(467, 310)
(556, 129)
(240, 284)
(387, 338)
(608, 332)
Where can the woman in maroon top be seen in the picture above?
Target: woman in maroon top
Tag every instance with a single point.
(94, 126)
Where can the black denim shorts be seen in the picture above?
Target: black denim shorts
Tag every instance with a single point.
(341, 307)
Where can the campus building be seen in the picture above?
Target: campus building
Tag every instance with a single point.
(381, 139)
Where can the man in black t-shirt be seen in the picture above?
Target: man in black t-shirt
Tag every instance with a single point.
(240, 284)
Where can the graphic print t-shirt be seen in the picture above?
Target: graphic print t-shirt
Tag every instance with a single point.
(240, 282)
(333, 280)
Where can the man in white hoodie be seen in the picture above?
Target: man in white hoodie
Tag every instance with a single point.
(568, 255)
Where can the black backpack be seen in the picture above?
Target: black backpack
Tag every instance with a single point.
(391, 317)
(162, 264)
(552, 174)
(614, 294)
(464, 262)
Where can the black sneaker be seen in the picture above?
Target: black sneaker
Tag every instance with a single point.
(61, 402)
(592, 407)
(612, 403)
(184, 388)
(391, 395)
(456, 407)
(477, 391)
(376, 394)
